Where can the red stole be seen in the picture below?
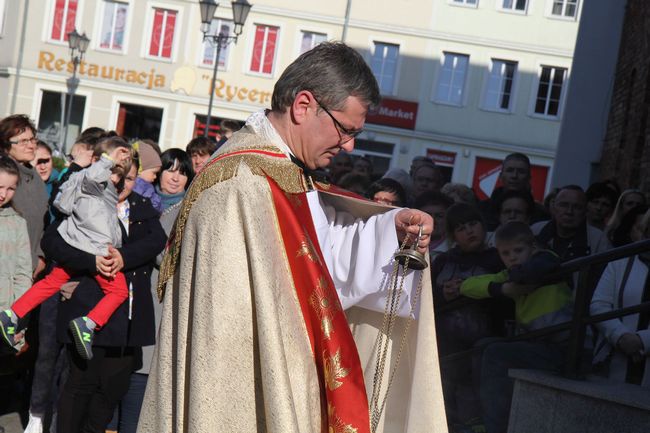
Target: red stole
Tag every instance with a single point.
(343, 393)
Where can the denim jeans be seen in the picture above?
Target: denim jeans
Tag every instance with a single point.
(127, 414)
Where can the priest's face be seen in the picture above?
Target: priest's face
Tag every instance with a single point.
(331, 131)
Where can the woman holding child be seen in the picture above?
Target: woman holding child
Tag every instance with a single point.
(95, 386)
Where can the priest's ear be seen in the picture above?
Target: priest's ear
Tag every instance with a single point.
(304, 105)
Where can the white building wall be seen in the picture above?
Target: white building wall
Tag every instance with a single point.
(423, 29)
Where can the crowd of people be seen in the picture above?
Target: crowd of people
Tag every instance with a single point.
(490, 267)
(94, 228)
(81, 244)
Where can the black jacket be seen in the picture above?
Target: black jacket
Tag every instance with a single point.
(145, 241)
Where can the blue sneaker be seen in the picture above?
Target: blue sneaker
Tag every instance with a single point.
(82, 336)
(7, 328)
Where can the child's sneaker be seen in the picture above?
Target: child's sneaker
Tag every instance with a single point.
(82, 336)
(7, 327)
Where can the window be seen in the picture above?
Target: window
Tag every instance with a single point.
(65, 14)
(498, 92)
(451, 83)
(466, 2)
(310, 40)
(49, 128)
(384, 66)
(113, 25)
(514, 5)
(162, 33)
(565, 8)
(209, 51)
(264, 49)
(549, 91)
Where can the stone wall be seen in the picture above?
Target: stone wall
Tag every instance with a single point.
(625, 155)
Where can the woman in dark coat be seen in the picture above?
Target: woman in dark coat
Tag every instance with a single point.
(94, 387)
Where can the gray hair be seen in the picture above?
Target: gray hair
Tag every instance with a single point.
(332, 71)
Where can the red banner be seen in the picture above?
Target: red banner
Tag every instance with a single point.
(395, 112)
(486, 178)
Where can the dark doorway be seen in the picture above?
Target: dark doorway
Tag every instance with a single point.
(138, 121)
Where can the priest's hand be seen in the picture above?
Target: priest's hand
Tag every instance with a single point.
(408, 222)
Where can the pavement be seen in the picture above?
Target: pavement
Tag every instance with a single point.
(11, 423)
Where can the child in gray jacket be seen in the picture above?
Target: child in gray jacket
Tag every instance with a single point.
(89, 199)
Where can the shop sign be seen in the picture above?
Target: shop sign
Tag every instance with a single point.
(184, 79)
(396, 113)
(149, 79)
(440, 157)
(486, 178)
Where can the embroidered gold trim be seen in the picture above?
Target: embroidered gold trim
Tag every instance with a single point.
(286, 174)
(336, 424)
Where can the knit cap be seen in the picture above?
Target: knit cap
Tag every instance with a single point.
(149, 158)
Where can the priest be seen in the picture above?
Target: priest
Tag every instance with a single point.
(275, 283)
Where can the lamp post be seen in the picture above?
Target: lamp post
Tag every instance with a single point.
(78, 45)
(240, 10)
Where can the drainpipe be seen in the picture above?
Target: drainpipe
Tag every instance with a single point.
(347, 20)
(19, 62)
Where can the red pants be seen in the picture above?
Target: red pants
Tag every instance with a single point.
(115, 292)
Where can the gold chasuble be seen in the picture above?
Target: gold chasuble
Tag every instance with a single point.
(253, 337)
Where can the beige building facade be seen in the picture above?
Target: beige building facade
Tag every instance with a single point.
(465, 81)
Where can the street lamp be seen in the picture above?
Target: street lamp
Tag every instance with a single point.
(78, 45)
(240, 10)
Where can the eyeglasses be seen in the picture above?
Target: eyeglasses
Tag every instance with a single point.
(24, 142)
(345, 134)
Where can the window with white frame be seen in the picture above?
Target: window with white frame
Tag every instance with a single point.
(63, 19)
(549, 90)
(565, 8)
(3, 13)
(264, 49)
(310, 39)
(466, 2)
(384, 65)
(113, 25)
(514, 5)
(451, 82)
(163, 30)
(499, 88)
(209, 52)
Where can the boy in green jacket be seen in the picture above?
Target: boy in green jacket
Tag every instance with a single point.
(539, 303)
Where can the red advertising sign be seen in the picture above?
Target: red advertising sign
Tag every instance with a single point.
(395, 112)
(486, 178)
